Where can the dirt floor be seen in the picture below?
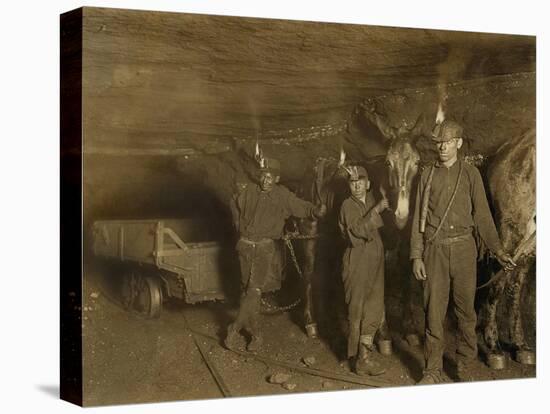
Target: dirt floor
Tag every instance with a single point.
(131, 359)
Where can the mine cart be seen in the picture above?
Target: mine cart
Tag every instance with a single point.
(170, 259)
(160, 264)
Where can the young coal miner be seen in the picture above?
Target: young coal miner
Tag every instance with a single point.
(363, 270)
(450, 205)
(259, 212)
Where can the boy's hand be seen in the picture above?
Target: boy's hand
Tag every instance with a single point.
(382, 205)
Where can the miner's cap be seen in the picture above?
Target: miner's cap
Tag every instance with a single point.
(271, 165)
(446, 131)
(357, 173)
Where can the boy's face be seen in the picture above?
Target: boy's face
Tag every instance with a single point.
(448, 150)
(359, 187)
(268, 180)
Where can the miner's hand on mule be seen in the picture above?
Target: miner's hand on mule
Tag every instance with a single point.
(382, 205)
(320, 211)
(505, 260)
(419, 269)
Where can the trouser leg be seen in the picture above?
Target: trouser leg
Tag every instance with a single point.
(365, 299)
(253, 299)
(463, 277)
(255, 262)
(373, 307)
(436, 299)
(249, 308)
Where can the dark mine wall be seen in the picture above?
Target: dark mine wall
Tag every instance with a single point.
(175, 81)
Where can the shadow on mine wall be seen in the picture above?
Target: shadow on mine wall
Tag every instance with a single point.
(145, 187)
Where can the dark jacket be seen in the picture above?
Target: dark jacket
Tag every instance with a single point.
(258, 215)
(469, 211)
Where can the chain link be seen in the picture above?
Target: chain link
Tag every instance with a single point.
(270, 308)
(297, 236)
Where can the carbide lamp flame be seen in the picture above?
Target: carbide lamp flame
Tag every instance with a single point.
(351, 170)
(342, 158)
(440, 117)
(259, 156)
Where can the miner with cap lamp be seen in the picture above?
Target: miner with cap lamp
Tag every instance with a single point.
(451, 206)
(259, 214)
(362, 270)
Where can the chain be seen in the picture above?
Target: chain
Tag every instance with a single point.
(297, 236)
(293, 254)
(270, 308)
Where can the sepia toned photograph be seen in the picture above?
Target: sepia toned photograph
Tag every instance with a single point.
(258, 206)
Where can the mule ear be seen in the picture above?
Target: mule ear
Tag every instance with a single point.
(418, 129)
(368, 109)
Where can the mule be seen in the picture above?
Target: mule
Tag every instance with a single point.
(512, 184)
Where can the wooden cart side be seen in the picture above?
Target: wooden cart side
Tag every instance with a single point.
(125, 240)
(192, 271)
(197, 265)
(168, 244)
(169, 253)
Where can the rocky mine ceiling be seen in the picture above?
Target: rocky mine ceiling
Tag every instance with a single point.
(165, 80)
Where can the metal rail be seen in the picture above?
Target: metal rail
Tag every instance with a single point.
(349, 378)
(222, 386)
(317, 372)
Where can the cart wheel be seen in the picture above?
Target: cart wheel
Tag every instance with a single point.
(128, 290)
(148, 299)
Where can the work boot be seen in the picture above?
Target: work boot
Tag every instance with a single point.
(255, 343)
(365, 365)
(431, 377)
(232, 339)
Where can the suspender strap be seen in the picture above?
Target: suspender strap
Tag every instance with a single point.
(448, 205)
(425, 201)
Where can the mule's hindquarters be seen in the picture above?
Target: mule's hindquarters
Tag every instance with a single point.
(508, 289)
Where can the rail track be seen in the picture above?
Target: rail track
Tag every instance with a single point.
(225, 389)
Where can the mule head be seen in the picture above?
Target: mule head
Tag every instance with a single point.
(402, 160)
